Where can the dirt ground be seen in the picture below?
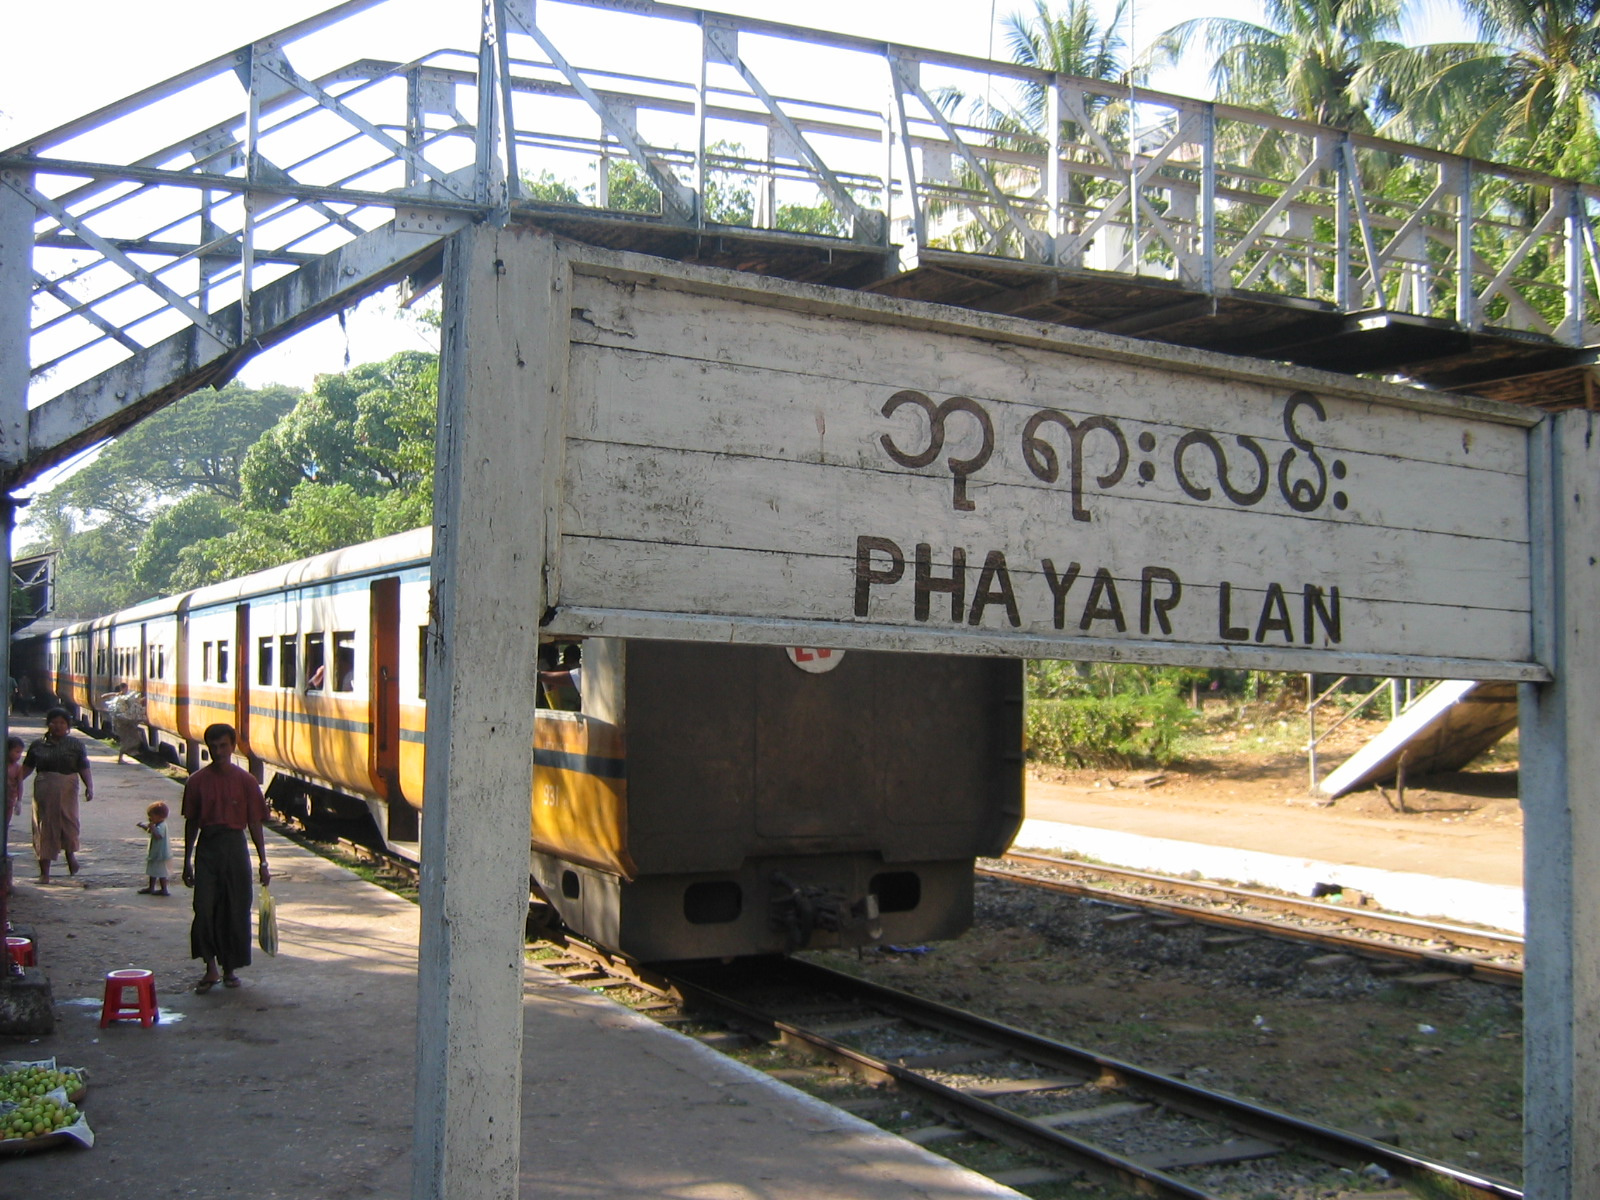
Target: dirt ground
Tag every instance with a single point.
(1464, 823)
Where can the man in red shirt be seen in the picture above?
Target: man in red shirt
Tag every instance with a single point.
(220, 802)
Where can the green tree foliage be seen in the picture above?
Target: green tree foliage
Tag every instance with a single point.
(186, 457)
(1119, 731)
(195, 445)
(370, 427)
(1303, 63)
(1106, 714)
(547, 189)
(352, 461)
(284, 474)
(1525, 94)
(1073, 41)
(730, 194)
(158, 563)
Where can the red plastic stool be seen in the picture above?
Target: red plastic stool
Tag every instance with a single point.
(143, 1007)
(20, 951)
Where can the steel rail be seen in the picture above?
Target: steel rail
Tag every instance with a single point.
(1510, 976)
(1320, 1141)
(676, 983)
(978, 1114)
(1494, 942)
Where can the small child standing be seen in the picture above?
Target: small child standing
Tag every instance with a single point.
(160, 852)
(14, 750)
(13, 802)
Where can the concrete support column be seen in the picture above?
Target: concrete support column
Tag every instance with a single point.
(499, 375)
(1560, 780)
(16, 304)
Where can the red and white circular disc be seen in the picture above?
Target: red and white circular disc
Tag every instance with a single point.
(814, 659)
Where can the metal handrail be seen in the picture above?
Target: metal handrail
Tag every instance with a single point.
(1314, 739)
(181, 236)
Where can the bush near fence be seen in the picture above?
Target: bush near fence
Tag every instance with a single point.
(1114, 731)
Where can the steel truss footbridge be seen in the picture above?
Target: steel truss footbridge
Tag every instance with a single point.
(152, 247)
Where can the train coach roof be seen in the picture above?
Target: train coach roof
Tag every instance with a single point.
(366, 558)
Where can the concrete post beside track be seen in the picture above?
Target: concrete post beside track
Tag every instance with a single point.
(1560, 762)
(488, 596)
(16, 300)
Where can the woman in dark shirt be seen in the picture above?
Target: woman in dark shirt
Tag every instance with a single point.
(57, 761)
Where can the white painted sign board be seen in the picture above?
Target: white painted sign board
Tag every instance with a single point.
(760, 461)
(721, 457)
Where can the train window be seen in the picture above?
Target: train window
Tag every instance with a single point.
(422, 662)
(712, 903)
(100, 661)
(897, 891)
(288, 669)
(264, 661)
(222, 662)
(316, 662)
(207, 655)
(344, 662)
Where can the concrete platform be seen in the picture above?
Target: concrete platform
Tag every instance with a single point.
(300, 1083)
(1465, 900)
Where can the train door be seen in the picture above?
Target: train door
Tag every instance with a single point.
(241, 686)
(100, 672)
(383, 718)
(181, 678)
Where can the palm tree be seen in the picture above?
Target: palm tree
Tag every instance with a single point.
(1072, 41)
(1527, 93)
(1304, 63)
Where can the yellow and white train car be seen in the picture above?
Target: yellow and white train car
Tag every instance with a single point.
(708, 800)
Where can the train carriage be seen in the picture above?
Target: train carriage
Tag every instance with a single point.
(706, 800)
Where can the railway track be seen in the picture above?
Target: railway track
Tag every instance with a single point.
(1470, 953)
(1070, 1110)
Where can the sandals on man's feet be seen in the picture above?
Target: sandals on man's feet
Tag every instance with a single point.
(230, 981)
(205, 985)
(146, 892)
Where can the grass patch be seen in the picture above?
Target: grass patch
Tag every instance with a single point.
(401, 884)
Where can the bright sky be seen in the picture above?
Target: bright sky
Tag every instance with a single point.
(59, 62)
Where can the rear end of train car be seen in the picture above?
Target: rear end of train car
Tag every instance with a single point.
(768, 807)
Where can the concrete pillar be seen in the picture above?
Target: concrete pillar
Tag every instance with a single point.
(499, 373)
(16, 302)
(1561, 827)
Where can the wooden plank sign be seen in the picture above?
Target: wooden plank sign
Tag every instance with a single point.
(757, 460)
